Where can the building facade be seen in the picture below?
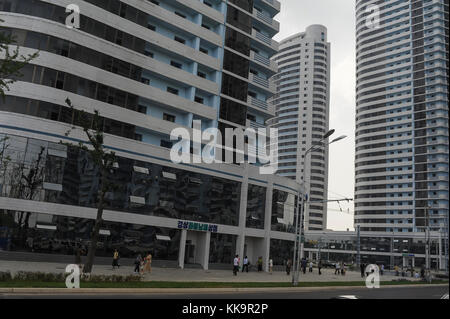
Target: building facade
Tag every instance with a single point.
(302, 106)
(402, 149)
(147, 67)
(404, 250)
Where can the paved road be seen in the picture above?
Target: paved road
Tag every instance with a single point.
(413, 292)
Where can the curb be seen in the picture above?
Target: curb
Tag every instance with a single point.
(188, 290)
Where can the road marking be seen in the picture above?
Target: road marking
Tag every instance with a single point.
(348, 297)
(445, 296)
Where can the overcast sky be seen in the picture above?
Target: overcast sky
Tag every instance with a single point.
(339, 18)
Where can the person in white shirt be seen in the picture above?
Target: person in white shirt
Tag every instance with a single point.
(338, 267)
(236, 265)
(245, 266)
(270, 266)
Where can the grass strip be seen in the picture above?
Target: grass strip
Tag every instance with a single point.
(171, 284)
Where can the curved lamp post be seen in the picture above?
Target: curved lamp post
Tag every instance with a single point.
(298, 245)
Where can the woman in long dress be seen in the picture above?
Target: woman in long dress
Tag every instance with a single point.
(148, 263)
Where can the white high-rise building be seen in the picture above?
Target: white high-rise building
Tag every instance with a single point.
(147, 67)
(302, 116)
(402, 116)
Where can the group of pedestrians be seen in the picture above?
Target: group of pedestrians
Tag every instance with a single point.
(340, 268)
(246, 264)
(143, 265)
(304, 264)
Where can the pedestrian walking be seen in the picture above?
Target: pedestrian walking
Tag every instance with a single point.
(288, 266)
(343, 269)
(382, 269)
(319, 266)
(270, 266)
(337, 268)
(246, 263)
(260, 264)
(236, 265)
(362, 267)
(137, 264)
(115, 262)
(303, 265)
(310, 266)
(148, 263)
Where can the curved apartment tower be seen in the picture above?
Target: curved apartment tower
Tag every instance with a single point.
(302, 116)
(402, 150)
(147, 67)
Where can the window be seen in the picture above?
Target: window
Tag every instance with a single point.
(180, 14)
(204, 50)
(199, 100)
(151, 27)
(166, 144)
(154, 2)
(145, 81)
(169, 117)
(149, 54)
(142, 109)
(176, 64)
(172, 90)
(201, 74)
(138, 137)
(178, 39)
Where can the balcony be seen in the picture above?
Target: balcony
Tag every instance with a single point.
(255, 125)
(266, 20)
(258, 103)
(273, 3)
(262, 83)
(273, 45)
(271, 65)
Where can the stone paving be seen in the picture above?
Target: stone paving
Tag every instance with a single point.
(194, 275)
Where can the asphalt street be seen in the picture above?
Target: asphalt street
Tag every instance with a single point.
(413, 292)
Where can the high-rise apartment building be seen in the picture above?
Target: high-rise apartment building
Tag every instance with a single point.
(402, 149)
(147, 67)
(302, 106)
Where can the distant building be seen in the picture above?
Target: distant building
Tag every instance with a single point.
(302, 107)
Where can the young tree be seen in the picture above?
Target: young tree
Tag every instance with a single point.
(11, 62)
(104, 160)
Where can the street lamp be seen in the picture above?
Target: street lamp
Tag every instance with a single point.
(299, 221)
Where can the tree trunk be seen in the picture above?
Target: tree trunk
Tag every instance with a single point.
(98, 223)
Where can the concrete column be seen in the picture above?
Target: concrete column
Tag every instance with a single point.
(441, 258)
(240, 242)
(404, 261)
(207, 241)
(267, 225)
(182, 249)
(413, 262)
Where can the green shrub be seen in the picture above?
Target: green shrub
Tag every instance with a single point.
(5, 276)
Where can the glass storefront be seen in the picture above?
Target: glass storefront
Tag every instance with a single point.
(283, 211)
(281, 251)
(66, 175)
(222, 248)
(256, 205)
(43, 233)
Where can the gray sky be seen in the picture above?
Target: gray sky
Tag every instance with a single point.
(339, 18)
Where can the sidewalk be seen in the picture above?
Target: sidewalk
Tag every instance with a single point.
(194, 275)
